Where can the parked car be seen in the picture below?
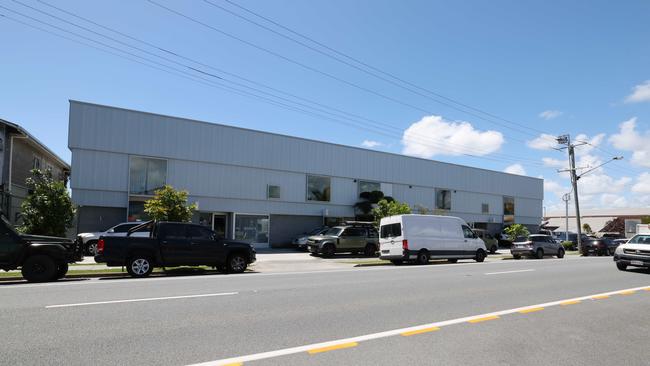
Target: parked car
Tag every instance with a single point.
(602, 246)
(536, 246)
(39, 258)
(420, 238)
(636, 253)
(618, 242)
(89, 240)
(300, 242)
(491, 243)
(353, 237)
(173, 244)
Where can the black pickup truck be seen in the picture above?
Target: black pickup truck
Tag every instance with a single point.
(40, 258)
(172, 244)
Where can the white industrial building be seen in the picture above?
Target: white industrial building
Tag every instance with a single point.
(264, 187)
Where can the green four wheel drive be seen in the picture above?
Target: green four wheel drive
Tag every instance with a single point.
(39, 258)
(491, 243)
(353, 237)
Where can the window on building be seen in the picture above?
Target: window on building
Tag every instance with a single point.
(136, 211)
(273, 192)
(252, 228)
(318, 188)
(146, 175)
(36, 164)
(485, 208)
(365, 186)
(508, 205)
(443, 199)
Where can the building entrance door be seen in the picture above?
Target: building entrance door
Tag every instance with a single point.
(220, 225)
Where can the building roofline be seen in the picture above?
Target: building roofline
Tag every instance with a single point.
(300, 138)
(31, 137)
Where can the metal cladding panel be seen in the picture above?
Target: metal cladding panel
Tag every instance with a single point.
(526, 207)
(244, 206)
(112, 129)
(86, 197)
(98, 170)
(472, 202)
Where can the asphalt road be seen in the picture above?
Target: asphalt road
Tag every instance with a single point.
(493, 313)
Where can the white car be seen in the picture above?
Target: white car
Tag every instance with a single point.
(89, 240)
(635, 253)
(422, 237)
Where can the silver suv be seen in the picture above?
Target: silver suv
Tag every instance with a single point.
(350, 238)
(536, 246)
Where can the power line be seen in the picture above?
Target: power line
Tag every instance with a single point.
(421, 141)
(313, 69)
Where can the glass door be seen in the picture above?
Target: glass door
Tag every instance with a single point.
(220, 225)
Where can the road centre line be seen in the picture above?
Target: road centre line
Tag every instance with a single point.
(140, 300)
(506, 272)
(402, 331)
(332, 348)
(531, 310)
(256, 275)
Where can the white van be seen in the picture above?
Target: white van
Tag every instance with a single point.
(422, 237)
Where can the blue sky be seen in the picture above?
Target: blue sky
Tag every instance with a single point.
(586, 64)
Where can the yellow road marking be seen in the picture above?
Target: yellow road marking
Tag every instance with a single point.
(484, 319)
(420, 331)
(236, 364)
(601, 297)
(332, 348)
(531, 310)
(646, 289)
(572, 302)
(627, 292)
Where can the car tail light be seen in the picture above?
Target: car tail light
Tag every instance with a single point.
(100, 246)
(405, 244)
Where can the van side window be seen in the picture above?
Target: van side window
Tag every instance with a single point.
(467, 232)
(391, 230)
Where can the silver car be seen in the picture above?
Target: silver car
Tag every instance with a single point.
(536, 246)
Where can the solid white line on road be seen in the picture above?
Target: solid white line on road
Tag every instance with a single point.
(519, 271)
(395, 332)
(140, 300)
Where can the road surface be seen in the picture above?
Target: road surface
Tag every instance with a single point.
(572, 311)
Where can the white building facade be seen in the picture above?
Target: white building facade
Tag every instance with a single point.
(266, 188)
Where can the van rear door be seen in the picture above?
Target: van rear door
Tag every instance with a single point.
(390, 238)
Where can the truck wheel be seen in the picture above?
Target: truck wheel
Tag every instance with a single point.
(560, 253)
(237, 263)
(39, 268)
(91, 248)
(62, 269)
(370, 250)
(480, 255)
(139, 266)
(423, 257)
(328, 250)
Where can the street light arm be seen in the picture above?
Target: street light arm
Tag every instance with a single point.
(594, 168)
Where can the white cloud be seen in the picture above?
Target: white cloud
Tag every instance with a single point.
(555, 163)
(629, 139)
(543, 142)
(433, 135)
(515, 169)
(550, 114)
(593, 184)
(640, 93)
(591, 143)
(642, 184)
(608, 200)
(556, 188)
(371, 144)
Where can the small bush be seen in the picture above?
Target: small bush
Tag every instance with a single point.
(569, 245)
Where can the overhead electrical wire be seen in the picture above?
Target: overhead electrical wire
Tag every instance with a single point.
(257, 96)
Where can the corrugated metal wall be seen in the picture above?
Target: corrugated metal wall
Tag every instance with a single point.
(228, 168)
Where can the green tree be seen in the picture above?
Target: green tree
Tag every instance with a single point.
(586, 228)
(516, 230)
(369, 200)
(387, 208)
(48, 209)
(169, 204)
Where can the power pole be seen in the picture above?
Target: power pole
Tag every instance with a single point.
(566, 140)
(566, 198)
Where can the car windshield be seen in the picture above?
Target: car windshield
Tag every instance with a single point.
(521, 239)
(317, 231)
(640, 239)
(336, 231)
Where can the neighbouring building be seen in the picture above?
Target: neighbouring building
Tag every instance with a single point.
(616, 220)
(264, 187)
(20, 152)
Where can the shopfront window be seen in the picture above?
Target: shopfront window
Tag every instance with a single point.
(318, 188)
(508, 210)
(252, 228)
(136, 211)
(365, 186)
(146, 175)
(443, 199)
